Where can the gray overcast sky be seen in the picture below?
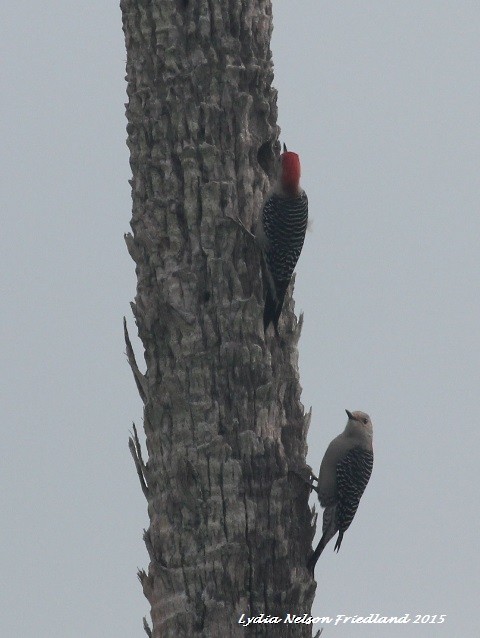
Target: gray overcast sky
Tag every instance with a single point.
(381, 100)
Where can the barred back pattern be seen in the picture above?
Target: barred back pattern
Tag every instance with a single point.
(353, 474)
(284, 224)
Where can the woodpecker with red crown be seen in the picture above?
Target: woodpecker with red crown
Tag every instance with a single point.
(280, 233)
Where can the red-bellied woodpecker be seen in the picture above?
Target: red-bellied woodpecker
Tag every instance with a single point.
(344, 473)
(280, 233)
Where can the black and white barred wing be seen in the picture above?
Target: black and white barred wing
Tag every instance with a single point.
(353, 474)
(284, 225)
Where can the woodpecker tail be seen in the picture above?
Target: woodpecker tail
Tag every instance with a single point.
(270, 310)
(339, 542)
(273, 305)
(312, 561)
(329, 529)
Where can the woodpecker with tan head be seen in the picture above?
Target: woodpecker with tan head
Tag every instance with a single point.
(344, 473)
(280, 233)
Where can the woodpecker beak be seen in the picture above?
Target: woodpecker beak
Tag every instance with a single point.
(284, 148)
(350, 415)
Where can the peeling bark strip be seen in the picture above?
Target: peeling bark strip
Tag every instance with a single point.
(230, 527)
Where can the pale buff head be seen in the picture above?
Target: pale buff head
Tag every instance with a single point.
(359, 424)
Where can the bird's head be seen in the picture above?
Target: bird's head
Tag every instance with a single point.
(359, 424)
(290, 172)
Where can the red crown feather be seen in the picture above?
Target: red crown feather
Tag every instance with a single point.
(290, 171)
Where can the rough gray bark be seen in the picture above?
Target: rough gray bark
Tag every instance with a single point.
(230, 526)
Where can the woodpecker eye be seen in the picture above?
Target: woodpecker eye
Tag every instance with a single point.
(365, 421)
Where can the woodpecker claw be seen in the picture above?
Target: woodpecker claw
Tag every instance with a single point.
(238, 221)
(305, 480)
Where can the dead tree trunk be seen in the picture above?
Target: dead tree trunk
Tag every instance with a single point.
(230, 526)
